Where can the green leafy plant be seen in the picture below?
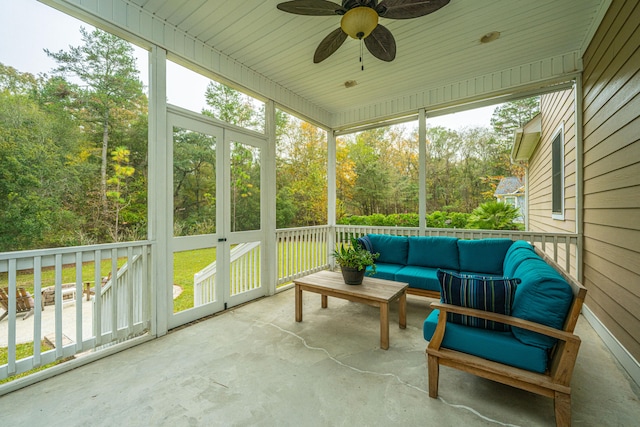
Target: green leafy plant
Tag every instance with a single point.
(494, 216)
(355, 256)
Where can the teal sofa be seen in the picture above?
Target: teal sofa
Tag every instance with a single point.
(542, 294)
(534, 348)
(416, 259)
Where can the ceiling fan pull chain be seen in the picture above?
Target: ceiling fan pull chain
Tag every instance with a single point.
(361, 55)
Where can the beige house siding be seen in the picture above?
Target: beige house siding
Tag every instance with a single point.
(557, 114)
(611, 90)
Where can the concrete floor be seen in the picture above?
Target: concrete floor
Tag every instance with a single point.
(255, 365)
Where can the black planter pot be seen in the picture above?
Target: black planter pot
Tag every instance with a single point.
(352, 276)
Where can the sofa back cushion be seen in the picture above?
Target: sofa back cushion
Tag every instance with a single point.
(542, 297)
(484, 255)
(519, 252)
(392, 249)
(482, 293)
(434, 252)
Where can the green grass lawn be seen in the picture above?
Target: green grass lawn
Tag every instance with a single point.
(22, 351)
(24, 278)
(185, 265)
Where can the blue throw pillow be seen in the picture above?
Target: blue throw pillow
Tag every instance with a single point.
(482, 293)
(392, 249)
(483, 255)
(365, 242)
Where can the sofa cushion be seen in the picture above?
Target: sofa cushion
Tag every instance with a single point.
(434, 252)
(519, 252)
(384, 271)
(482, 293)
(542, 297)
(517, 245)
(501, 347)
(484, 255)
(392, 249)
(419, 277)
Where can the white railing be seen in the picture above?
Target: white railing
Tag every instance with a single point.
(245, 269)
(123, 307)
(72, 331)
(561, 247)
(244, 272)
(119, 311)
(301, 251)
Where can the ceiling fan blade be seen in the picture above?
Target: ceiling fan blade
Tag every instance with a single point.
(381, 44)
(329, 44)
(312, 7)
(407, 9)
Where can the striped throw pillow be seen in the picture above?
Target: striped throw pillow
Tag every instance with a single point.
(479, 292)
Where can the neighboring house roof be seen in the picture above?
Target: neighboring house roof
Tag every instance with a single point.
(510, 185)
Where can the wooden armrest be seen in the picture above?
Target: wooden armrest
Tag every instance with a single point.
(509, 320)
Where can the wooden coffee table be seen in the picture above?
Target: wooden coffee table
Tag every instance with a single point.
(375, 292)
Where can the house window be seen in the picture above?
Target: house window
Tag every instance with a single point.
(557, 174)
(510, 200)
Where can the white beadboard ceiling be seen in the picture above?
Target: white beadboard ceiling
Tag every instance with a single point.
(432, 51)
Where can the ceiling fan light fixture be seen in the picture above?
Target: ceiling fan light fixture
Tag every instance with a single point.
(359, 22)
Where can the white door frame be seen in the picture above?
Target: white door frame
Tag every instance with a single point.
(223, 239)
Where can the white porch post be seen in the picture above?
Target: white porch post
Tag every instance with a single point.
(160, 181)
(422, 170)
(268, 202)
(331, 192)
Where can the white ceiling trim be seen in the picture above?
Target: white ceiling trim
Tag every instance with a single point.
(523, 78)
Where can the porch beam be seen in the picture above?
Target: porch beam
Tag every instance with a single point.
(160, 228)
(331, 190)
(422, 170)
(268, 200)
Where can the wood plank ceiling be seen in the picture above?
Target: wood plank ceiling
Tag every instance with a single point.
(432, 50)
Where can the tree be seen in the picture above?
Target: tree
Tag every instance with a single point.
(194, 182)
(245, 188)
(117, 193)
(229, 105)
(372, 187)
(302, 175)
(442, 149)
(512, 115)
(37, 141)
(106, 67)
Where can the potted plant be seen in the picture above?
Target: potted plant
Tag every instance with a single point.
(353, 260)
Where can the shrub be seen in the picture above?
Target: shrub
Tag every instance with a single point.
(494, 216)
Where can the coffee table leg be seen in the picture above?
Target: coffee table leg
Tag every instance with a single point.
(298, 303)
(324, 302)
(384, 326)
(402, 303)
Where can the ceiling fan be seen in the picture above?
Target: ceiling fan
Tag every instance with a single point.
(360, 21)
